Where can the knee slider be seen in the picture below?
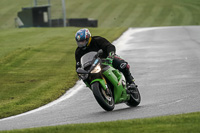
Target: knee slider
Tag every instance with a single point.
(124, 67)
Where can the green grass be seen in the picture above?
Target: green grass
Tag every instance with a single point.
(38, 65)
(114, 13)
(184, 123)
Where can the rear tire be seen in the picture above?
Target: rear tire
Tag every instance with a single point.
(135, 98)
(106, 101)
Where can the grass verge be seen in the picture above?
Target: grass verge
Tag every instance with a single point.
(183, 123)
(37, 65)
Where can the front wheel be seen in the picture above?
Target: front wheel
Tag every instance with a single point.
(135, 98)
(105, 99)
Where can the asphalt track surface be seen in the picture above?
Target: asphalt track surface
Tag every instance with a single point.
(165, 62)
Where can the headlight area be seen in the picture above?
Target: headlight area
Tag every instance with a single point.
(97, 69)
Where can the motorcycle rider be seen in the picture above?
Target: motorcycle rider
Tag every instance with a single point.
(87, 43)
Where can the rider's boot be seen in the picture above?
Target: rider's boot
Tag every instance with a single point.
(130, 80)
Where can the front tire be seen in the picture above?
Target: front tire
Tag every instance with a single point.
(104, 99)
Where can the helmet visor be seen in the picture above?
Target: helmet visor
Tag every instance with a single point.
(82, 43)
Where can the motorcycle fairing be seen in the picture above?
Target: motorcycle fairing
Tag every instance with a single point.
(117, 79)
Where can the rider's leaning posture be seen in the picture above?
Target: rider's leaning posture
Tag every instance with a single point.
(87, 43)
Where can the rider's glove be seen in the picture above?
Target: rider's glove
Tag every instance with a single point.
(111, 55)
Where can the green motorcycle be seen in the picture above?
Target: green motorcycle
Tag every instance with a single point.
(107, 83)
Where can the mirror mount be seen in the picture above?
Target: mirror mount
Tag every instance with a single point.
(81, 71)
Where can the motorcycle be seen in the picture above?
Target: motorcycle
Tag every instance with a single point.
(107, 83)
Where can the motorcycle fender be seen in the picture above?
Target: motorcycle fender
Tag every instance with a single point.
(101, 81)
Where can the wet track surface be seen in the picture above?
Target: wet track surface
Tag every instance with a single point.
(165, 62)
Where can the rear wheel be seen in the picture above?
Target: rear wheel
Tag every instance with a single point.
(104, 98)
(135, 97)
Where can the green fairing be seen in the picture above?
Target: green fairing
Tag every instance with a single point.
(101, 81)
(115, 77)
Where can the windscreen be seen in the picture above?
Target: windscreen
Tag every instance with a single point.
(86, 59)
